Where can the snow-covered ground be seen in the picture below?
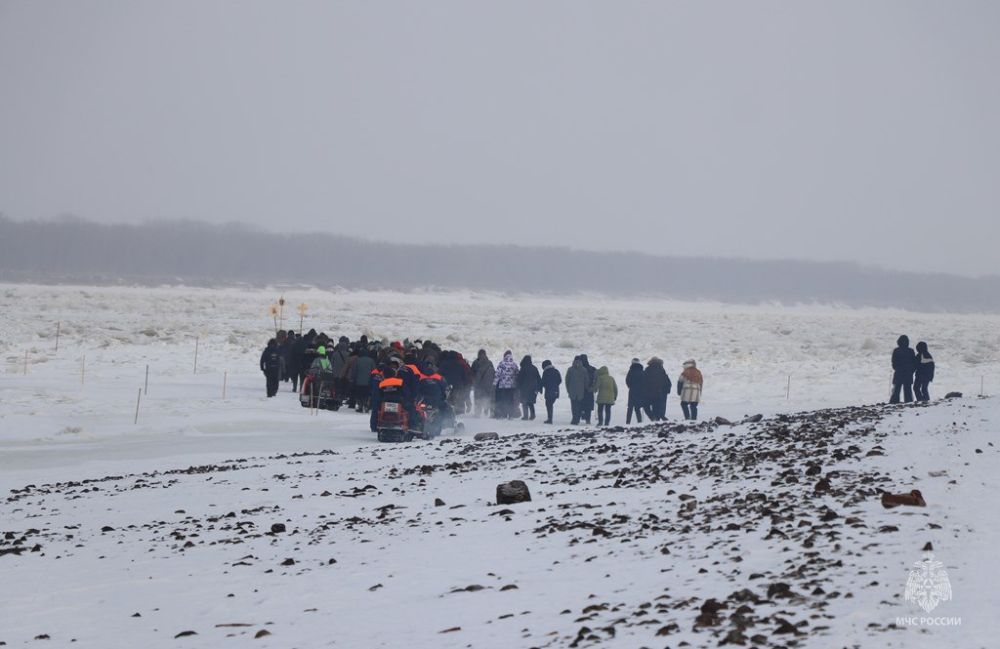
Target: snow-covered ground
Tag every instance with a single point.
(86, 584)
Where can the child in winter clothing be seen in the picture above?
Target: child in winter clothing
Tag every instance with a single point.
(689, 386)
(607, 394)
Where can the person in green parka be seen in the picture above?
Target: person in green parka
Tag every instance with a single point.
(607, 394)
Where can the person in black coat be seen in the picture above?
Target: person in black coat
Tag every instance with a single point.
(587, 407)
(924, 364)
(656, 388)
(636, 398)
(904, 364)
(271, 365)
(529, 384)
(551, 380)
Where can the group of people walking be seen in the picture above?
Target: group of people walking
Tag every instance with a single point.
(507, 390)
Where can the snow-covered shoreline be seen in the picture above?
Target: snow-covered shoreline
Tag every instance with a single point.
(633, 537)
(61, 426)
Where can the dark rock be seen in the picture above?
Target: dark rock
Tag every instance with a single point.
(262, 633)
(184, 634)
(288, 562)
(277, 528)
(779, 589)
(753, 419)
(709, 615)
(722, 421)
(485, 437)
(953, 395)
(515, 491)
(107, 528)
(438, 502)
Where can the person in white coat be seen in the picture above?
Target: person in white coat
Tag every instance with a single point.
(689, 386)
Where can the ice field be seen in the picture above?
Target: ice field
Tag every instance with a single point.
(68, 415)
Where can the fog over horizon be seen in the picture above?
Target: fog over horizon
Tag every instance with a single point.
(77, 251)
(849, 131)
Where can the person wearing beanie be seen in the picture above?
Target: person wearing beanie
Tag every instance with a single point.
(551, 380)
(904, 364)
(636, 402)
(689, 386)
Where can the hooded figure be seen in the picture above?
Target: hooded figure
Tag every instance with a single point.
(656, 386)
(636, 398)
(483, 377)
(689, 385)
(904, 364)
(577, 386)
(551, 380)
(925, 373)
(321, 362)
(506, 386)
(271, 363)
(529, 384)
(606, 394)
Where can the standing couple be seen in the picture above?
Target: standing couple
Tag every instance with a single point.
(912, 372)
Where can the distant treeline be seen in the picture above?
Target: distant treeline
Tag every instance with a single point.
(75, 250)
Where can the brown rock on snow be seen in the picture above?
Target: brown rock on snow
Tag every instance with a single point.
(913, 499)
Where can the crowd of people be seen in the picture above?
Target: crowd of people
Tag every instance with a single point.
(510, 390)
(364, 368)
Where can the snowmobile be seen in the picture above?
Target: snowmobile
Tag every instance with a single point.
(319, 391)
(394, 425)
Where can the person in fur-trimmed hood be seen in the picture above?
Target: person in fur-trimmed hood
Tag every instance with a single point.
(689, 385)
(506, 386)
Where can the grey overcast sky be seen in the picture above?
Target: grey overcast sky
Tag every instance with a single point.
(864, 130)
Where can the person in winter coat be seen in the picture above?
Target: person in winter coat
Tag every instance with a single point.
(636, 400)
(361, 380)
(457, 373)
(374, 379)
(656, 386)
(306, 351)
(904, 364)
(606, 394)
(483, 377)
(577, 386)
(293, 360)
(506, 386)
(271, 365)
(339, 357)
(321, 363)
(689, 385)
(529, 384)
(551, 380)
(588, 397)
(925, 373)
